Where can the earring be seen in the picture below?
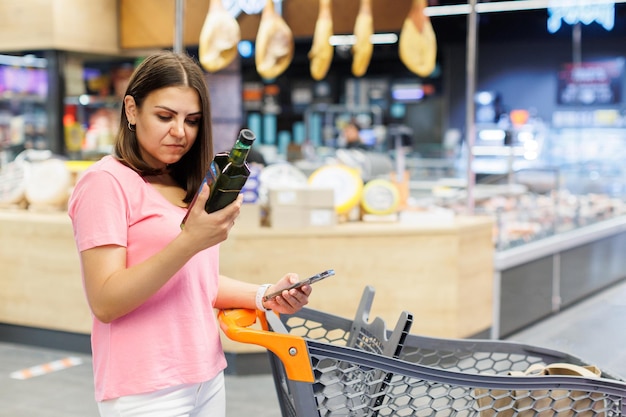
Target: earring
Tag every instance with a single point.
(131, 127)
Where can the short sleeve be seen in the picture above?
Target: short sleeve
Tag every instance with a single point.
(98, 208)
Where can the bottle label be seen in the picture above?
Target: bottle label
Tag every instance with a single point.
(211, 175)
(209, 178)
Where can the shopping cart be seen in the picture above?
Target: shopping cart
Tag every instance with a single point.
(328, 366)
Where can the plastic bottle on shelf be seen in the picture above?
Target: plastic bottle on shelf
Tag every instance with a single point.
(74, 134)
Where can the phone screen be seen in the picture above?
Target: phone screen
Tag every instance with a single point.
(308, 281)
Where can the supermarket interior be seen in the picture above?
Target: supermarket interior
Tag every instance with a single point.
(463, 158)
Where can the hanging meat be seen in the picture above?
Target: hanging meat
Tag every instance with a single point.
(219, 38)
(321, 53)
(418, 44)
(363, 30)
(274, 43)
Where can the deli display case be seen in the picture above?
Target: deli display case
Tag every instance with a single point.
(559, 222)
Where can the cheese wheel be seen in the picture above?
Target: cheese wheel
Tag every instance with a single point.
(13, 180)
(380, 197)
(281, 175)
(49, 183)
(346, 183)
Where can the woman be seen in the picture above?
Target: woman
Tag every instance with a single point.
(151, 286)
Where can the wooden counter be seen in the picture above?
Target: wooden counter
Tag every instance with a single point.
(41, 283)
(441, 274)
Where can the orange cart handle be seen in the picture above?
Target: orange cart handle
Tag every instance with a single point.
(290, 349)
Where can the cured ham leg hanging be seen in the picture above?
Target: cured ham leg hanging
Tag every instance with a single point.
(418, 45)
(274, 44)
(219, 38)
(321, 53)
(363, 30)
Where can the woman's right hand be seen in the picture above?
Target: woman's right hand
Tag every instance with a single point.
(208, 229)
(114, 289)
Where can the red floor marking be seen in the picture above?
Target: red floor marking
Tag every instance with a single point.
(46, 368)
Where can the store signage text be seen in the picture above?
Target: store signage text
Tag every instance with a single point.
(591, 83)
(580, 11)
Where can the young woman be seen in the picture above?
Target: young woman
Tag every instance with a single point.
(151, 286)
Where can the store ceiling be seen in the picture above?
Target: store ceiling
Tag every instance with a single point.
(518, 26)
(150, 23)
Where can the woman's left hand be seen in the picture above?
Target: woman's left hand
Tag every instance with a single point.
(289, 301)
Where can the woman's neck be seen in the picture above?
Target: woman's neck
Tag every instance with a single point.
(165, 184)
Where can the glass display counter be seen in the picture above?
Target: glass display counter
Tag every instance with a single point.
(577, 180)
(559, 223)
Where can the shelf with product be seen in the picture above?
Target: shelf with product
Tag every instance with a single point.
(23, 104)
(92, 105)
(23, 124)
(90, 124)
(64, 102)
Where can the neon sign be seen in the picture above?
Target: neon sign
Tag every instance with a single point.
(580, 11)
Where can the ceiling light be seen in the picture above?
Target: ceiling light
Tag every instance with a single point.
(509, 6)
(376, 39)
(23, 61)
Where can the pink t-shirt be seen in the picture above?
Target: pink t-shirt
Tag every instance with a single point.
(171, 339)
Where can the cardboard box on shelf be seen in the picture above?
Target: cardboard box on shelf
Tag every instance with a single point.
(289, 217)
(250, 216)
(311, 197)
(301, 207)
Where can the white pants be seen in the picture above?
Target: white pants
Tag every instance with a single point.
(207, 399)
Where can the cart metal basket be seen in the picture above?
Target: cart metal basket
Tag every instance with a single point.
(328, 366)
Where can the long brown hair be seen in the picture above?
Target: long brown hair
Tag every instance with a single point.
(161, 70)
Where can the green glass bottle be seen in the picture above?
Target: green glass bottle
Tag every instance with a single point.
(227, 174)
(233, 172)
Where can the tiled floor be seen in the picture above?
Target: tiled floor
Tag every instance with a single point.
(593, 330)
(69, 392)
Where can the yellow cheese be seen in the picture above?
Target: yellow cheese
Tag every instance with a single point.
(346, 183)
(380, 197)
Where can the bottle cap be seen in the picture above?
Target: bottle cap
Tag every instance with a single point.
(246, 136)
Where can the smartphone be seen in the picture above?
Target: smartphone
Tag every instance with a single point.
(308, 281)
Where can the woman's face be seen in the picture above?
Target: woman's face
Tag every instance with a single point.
(167, 123)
